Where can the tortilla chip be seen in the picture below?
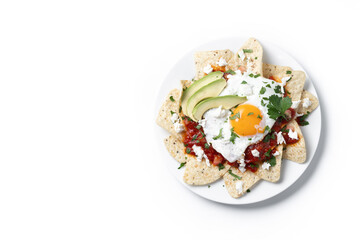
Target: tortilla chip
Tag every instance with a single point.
(252, 60)
(164, 117)
(204, 58)
(312, 107)
(176, 149)
(248, 178)
(274, 70)
(296, 152)
(273, 174)
(295, 85)
(198, 173)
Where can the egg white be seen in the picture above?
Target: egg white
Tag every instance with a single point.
(218, 118)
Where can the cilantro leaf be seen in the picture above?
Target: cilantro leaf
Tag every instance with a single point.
(302, 121)
(247, 50)
(221, 166)
(272, 161)
(244, 82)
(230, 71)
(219, 136)
(234, 175)
(233, 136)
(172, 99)
(277, 106)
(181, 165)
(235, 116)
(262, 90)
(207, 146)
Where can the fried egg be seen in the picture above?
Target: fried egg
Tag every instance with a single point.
(231, 132)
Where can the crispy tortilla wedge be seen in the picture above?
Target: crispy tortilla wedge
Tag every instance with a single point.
(164, 116)
(312, 107)
(270, 70)
(296, 152)
(273, 174)
(176, 149)
(248, 179)
(249, 56)
(295, 85)
(198, 173)
(203, 58)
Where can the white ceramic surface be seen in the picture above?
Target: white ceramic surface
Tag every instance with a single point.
(290, 172)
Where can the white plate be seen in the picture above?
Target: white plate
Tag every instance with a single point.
(290, 172)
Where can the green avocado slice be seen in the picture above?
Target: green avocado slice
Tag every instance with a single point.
(213, 76)
(226, 102)
(211, 90)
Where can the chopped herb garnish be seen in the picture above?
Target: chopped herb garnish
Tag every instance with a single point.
(247, 50)
(289, 79)
(233, 136)
(251, 75)
(237, 115)
(244, 82)
(255, 58)
(248, 190)
(198, 126)
(267, 154)
(221, 166)
(258, 116)
(262, 103)
(272, 161)
(267, 128)
(257, 75)
(234, 175)
(302, 121)
(268, 86)
(180, 108)
(288, 72)
(254, 165)
(219, 136)
(185, 144)
(288, 92)
(265, 98)
(277, 106)
(188, 150)
(197, 141)
(262, 90)
(230, 71)
(194, 137)
(207, 146)
(172, 112)
(277, 89)
(172, 99)
(249, 139)
(250, 113)
(181, 165)
(208, 186)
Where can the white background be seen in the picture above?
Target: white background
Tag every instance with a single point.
(78, 83)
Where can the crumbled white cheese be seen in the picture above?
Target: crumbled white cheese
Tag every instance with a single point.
(265, 166)
(174, 117)
(241, 55)
(306, 102)
(255, 153)
(208, 69)
(221, 62)
(198, 152)
(280, 138)
(242, 165)
(239, 186)
(179, 127)
(245, 90)
(284, 80)
(202, 122)
(276, 153)
(220, 113)
(293, 134)
(295, 104)
(207, 160)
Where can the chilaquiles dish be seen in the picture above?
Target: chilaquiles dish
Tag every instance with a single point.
(237, 119)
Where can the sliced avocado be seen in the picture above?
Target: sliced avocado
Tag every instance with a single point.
(213, 76)
(226, 102)
(211, 90)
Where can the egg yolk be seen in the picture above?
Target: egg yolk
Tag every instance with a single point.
(246, 120)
